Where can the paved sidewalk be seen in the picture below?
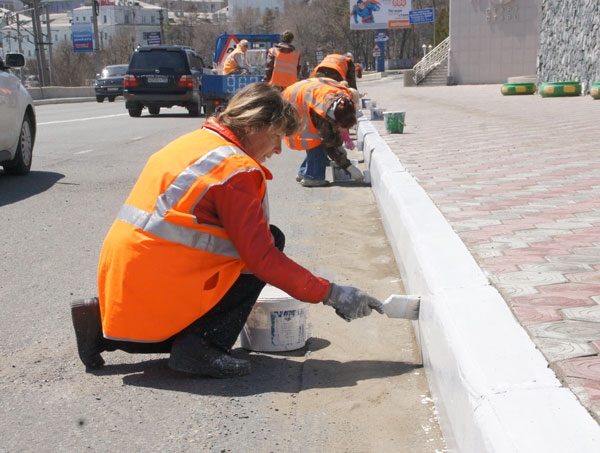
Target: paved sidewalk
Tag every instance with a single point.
(518, 179)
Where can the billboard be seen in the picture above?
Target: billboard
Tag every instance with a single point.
(83, 37)
(379, 14)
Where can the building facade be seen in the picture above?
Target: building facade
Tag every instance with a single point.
(141, 21)
(491, 40)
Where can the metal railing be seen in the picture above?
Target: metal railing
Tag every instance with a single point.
(431, 60)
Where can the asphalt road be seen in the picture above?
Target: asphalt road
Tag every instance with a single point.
(355, 387)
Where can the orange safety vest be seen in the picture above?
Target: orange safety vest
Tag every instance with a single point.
(339, 63)
(306, 95)
(285, 67)
(160, 270)
(231, 63)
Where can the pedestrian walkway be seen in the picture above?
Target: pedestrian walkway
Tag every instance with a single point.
(518, 179)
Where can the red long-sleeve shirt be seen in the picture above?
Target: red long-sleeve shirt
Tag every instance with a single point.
(236, 205)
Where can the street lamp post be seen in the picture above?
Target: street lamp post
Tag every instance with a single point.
(424, 47)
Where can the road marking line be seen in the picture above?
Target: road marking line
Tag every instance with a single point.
(84, 151)
(82, 119)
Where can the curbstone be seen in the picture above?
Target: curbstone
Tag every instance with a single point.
(493, 388)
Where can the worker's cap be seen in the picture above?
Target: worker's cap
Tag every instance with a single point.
(349, 55)
(342, 112)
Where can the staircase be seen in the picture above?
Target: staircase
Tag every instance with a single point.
(433, 68)
(437, 77)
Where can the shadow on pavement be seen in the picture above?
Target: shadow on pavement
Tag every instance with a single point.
(270, 373)
(17, 188)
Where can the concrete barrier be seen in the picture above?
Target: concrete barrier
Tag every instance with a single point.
(61, 92)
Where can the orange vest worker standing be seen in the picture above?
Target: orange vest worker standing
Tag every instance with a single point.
(283, 62)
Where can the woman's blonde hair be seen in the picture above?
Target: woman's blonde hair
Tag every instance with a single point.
(259, 106)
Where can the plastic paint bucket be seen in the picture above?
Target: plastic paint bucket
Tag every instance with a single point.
(364, 102)
(394, 122)
(276, 323)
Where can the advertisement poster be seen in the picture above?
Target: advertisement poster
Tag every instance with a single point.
(379, 14)
(83, 37)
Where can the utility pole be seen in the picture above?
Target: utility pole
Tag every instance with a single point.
(161, 19)
(19, 44)
(39, 44)
(95, 10)
(49, 42)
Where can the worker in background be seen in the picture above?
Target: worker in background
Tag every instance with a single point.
(192, 248)
(235, 62)
(283, 62)
(337, 67)
(326, 108)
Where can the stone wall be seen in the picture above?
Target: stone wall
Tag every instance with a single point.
(569, 41)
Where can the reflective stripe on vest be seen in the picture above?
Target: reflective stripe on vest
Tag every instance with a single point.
(306, 95)
(285, 68)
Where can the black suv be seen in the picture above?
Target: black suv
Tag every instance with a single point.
(163, 76)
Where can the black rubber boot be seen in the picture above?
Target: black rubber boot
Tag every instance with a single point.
(88, 331)
(191, 354)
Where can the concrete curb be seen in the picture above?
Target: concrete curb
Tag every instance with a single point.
(493, 389)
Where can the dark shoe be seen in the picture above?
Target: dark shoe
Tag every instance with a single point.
(314, 182)
(88, 331)
(193, 355)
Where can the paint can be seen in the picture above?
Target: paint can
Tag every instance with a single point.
(277, 322)
(394, 122)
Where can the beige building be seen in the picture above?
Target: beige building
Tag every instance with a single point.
(491, 40)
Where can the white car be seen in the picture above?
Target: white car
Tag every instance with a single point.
(17, 119)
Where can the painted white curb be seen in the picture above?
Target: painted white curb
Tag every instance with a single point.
(492, 387)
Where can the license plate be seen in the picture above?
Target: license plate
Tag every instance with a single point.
(112, 89)
(158, 79)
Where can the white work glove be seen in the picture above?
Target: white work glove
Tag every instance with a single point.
(351, 303)
(355, 173)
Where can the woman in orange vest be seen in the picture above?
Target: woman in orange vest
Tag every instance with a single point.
(337, 67)
(326, 108)
(192, 248)
(283, 62)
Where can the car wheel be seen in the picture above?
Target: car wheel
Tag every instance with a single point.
(21, 164)
(154, 110)
(100, 98)
(111, 99)
(135, 111)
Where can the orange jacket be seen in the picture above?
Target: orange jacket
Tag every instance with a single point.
(311, 95)
(160, 269)
(231, 63)
(285, 67)
(339, 63)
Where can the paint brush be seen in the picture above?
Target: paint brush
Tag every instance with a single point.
(402, 306)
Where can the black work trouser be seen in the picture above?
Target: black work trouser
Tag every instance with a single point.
(222, 324)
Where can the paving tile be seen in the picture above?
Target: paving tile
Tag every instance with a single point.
(591, 313)
(555, 349)
(567, 330)
(531, 314)
(581, 367)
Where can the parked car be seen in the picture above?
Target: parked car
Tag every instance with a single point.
(17, 119)
(109, 83)
(163, 76)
